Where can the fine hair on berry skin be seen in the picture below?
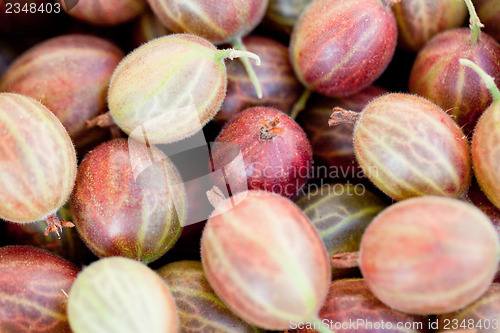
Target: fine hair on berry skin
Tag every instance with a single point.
(427, 255)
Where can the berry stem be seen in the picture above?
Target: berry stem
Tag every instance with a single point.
(239, 46)
(342, 116)
(103, 120)
(489, 82)
(54, 224)
(345, 260)
(475, 23)
(300, 105)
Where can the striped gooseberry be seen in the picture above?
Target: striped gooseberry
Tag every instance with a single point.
(428, 255)
(437, 75)
(486, 140)
(275, 150)
(408, 146)
(419, 20)
(33, 290)
(264, 259)
(121, 295)
(186, 85)
(38, 168)
(128, 201)
(104, 12)
(338, 48)
(351, 307)
(69, 74)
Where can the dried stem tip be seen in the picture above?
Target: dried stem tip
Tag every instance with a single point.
(233, 54)
(341, 116)
(345, 260)
(241, 52)
(270, 129)
(54, 224)
(103, 120)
